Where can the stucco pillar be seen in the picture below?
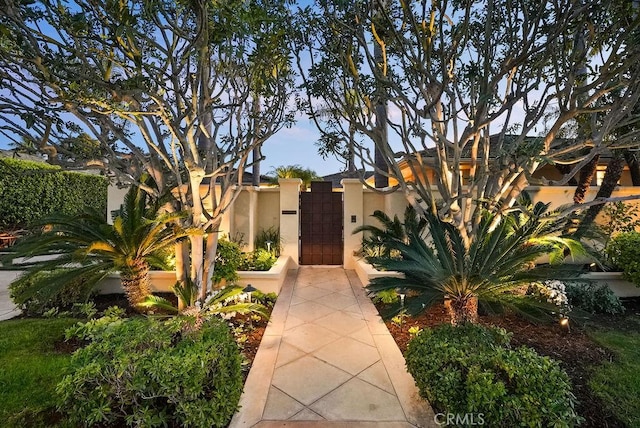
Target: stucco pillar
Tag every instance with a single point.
(353, 203)
(290, 217)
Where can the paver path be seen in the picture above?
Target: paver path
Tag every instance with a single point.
(328, 359)
(7, 308)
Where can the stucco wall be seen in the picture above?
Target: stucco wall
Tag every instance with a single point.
(268, 208)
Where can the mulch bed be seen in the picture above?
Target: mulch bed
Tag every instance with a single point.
(573, 349)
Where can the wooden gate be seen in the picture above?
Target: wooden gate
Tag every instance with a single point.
(321, 225)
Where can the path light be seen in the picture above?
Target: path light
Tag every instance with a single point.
(402, 292)
(269, 245)
(564, 322)
(249, 289)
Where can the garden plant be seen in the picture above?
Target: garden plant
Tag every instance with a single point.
(84, 248)
(499, 259)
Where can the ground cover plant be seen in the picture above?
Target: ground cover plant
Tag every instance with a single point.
(34, 359)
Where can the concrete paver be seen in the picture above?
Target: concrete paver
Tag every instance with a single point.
(7, 309)
(328, 360)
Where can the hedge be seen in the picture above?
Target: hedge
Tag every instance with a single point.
(30, 191)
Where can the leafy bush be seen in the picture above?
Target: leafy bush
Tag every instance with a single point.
(146, 372)
(30, 191)
(265, 299)
(34, 300)
(624, 252)
(471, 369)
(593, 298)
(270, 235)
(228, 259)
(258, 260)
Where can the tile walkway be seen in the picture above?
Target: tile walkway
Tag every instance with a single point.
(7, 308)
(328, 360)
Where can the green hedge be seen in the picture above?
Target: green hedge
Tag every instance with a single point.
(471, 372)
(146, 372)
(32, 190)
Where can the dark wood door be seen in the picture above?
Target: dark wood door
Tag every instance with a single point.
(321, 225)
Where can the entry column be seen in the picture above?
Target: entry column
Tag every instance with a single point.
(353, 218)
(290, 218)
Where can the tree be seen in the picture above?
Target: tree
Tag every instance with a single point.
(472, 81)
(170, 84)
(294, 171)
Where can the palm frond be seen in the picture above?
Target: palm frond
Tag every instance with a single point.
(157, 302)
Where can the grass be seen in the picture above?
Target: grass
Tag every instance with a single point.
(617, 382)
(31, 368)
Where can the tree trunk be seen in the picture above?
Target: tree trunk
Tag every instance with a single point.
(634, 166)
(255, 180)
(135, 282)
(462, 310)
(610, 181)
(585, 179)
(381, 180)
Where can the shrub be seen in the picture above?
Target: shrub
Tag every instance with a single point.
(36, 301)
(593, 298)
(30, 191)
(471, 369)
(624, 252)
(228, 259)
(146, 372)
(258, 260)
(271, 235)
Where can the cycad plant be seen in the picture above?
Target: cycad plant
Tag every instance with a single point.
(87, 246)
(500, 258)
(220, 302)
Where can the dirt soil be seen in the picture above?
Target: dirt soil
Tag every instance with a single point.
(576, 352)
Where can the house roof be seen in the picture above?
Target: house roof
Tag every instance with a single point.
(337, 177)
(509, 140)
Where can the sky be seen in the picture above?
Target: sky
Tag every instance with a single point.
(296, 146)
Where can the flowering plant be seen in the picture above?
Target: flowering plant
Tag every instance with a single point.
(553, 291)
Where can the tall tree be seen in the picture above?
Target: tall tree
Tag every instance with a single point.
(469, 82)
(172, 83)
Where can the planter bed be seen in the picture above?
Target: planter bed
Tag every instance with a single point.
(366, 272)
(614, 280)
(163, 281)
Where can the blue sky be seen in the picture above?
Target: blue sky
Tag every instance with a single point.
(296, 145)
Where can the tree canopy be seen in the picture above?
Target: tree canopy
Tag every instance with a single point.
(486, 85)
(182, 90)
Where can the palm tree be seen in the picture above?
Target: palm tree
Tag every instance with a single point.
(500, 259)
(87, 246)
(294, 171)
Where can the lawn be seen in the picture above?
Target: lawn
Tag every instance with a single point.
(617, 382)
(31, 368)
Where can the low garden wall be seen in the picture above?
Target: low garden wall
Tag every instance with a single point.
(366, 272)
(614, 280)
(162, 281)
